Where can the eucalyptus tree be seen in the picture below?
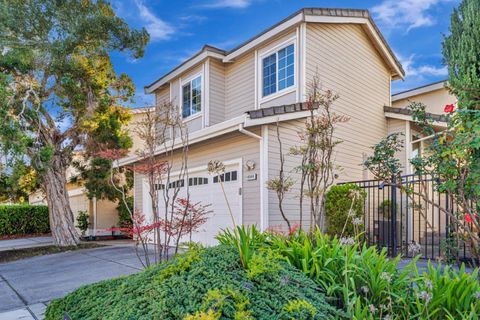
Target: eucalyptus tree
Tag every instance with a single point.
(57, 83)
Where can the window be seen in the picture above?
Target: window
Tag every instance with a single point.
(226, 177)
(278, 70)
(192, 97)
(197, 181)
(176, 184)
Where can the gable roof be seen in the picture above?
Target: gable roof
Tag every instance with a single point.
(419, 90)
(315, 15)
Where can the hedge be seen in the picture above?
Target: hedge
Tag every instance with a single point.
(23, 219)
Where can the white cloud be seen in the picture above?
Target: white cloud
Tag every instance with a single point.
(421, 71)
(156, 27)
(239, 4)
(405, 13)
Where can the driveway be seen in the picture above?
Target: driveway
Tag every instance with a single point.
(26, 286)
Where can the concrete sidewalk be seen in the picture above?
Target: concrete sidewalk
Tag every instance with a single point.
(22, 243)
(28, 285)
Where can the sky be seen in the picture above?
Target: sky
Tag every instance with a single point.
(414, 30)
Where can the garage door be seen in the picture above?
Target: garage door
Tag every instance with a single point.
(206, 189)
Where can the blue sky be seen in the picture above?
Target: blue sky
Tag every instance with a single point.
(413, 28)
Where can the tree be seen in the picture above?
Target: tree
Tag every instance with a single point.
(56, 81)
(317, 149)
(461, 51)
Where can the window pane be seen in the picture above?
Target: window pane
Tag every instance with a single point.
(186, 100)
(286, 67)
(269, 75)
(196, 95)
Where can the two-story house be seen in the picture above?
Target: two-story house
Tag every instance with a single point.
(232, 100)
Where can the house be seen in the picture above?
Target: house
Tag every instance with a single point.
(103, 213)
(435, 97)
(232, 100)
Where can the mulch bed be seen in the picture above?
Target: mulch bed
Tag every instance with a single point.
(22, 236)
(17, 254)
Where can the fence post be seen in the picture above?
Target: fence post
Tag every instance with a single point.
(393, 216)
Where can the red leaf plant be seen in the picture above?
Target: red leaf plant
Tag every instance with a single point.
(186, 219)
(113, 154)
(138, 229)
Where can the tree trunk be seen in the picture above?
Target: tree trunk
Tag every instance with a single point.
(62, 223)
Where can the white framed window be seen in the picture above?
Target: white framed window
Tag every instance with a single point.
(192, 97)
(278, 70)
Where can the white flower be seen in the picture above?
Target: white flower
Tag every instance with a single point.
(414, 248)
(351, 213)
(386, 276)
(424, 295)
(429, 284)
(357, 221)
(364, 289)
(387, 317)
(347, 241)
(372, 308)
(477, 295)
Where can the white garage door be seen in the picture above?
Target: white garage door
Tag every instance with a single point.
(206, 189)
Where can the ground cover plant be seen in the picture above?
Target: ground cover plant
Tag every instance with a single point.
(203, 283)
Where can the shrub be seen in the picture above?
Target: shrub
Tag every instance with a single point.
(82, 221)
(23, 219)
(337, 206)
(200, 284)
(124, 218)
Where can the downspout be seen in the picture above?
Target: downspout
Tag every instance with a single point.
(263, 173)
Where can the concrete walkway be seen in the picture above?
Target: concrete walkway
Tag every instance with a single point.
(28, 285)
(22, 243)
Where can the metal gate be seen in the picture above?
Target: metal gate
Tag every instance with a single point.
(410, 224)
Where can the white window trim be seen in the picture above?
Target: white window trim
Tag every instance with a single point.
(202, 99)
(275, 49)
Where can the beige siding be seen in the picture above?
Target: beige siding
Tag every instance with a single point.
(397, 125)
(107, 214)
(240, 86)
(435, 101)
(217, 92)
(289, 138)
(347, 63)
(228, 147)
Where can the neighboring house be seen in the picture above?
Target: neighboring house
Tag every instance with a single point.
(435, 96)
(103, 213)
(232, 100)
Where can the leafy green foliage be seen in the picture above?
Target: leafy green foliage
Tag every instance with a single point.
(59, 91)
(124, 218)
(461, 50)
(82, 221)
(337, 208)
(199, 284)
(23, 219)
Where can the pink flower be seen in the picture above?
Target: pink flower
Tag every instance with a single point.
(449, 108)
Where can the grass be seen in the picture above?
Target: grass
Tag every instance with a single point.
(18, 254)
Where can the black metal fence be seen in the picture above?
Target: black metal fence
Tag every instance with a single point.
(412, 222)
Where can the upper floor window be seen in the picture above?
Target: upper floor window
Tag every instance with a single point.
(278, 70)
(192, 97)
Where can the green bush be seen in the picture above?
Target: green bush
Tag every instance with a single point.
(82, 221)
(23, 219)
(124, 219)
(337, 206)
(201, 284)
